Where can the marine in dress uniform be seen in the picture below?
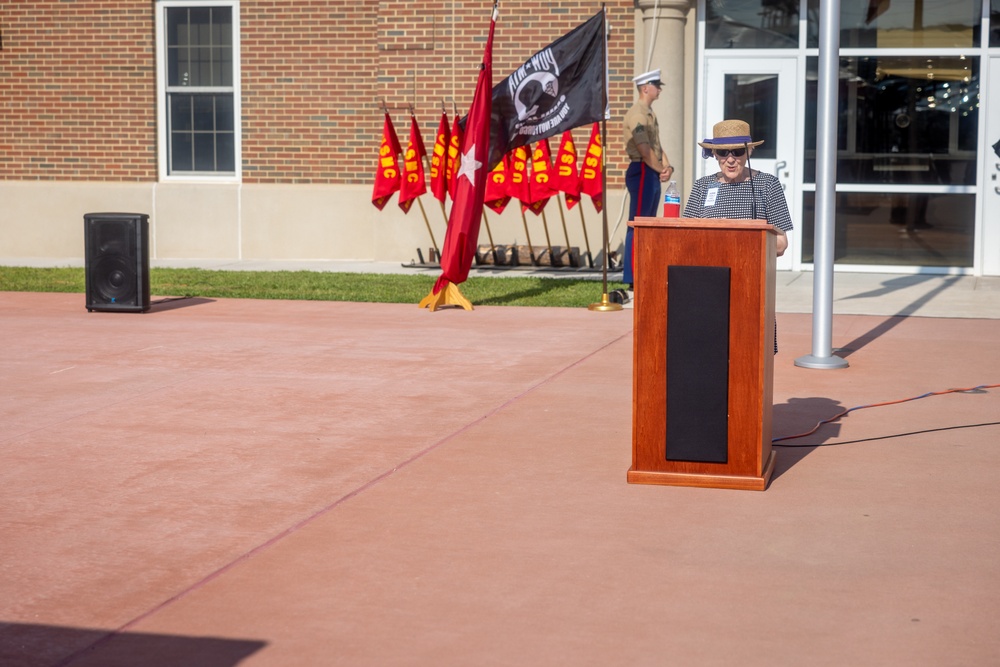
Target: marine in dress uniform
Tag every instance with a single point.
(648, 166)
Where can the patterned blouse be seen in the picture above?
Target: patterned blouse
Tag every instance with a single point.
(711, 199)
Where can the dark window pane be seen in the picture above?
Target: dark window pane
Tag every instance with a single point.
(181, 156)
(224, 58)
(177, 66)
(177, 27)
(908, 229)
(901, 119)
(225, 150)
(202, 67)
(222, 26)
(751, 24)
(994, 22)
(204, 152)
(224, 118)
(180, 112)
(204, 113)
(754, 99)
(903, 23)
(200, 20)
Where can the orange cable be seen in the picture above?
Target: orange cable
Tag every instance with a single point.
(877, 405)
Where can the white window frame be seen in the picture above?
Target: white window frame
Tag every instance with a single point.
(163, 133)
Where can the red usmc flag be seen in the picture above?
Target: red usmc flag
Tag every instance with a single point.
(517, 184)
(413, 184)
(591, 177)
(567, 178)
(451, 165)
(542, 176)
(387, 171)
(439, 179)
(497, 192)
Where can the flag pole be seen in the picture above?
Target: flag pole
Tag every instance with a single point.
(531, 248)
(562, 216)
(586, 239)
(605, 305)
(548, 241)
(427, 166)
(489, 234)
(428, 223)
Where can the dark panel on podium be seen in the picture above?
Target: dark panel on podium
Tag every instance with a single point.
(697, 363)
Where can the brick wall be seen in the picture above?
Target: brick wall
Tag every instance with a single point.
(78, 90)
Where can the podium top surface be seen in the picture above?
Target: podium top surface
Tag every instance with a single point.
(704, 223)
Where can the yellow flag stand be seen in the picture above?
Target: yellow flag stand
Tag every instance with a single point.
(448, 296)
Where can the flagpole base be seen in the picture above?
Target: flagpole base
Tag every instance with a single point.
(448, 296)
(605, 305)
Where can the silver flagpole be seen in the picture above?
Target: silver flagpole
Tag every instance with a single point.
(822, 356)
(605, 304)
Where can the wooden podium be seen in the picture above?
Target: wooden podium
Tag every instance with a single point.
(703, 356)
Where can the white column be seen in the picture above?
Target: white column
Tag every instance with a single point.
(659, 44)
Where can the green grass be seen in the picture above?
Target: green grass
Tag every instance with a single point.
(322, 286)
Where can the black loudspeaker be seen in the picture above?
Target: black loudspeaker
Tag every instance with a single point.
(117, 261)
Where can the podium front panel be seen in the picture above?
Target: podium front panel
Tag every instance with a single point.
(697, 408)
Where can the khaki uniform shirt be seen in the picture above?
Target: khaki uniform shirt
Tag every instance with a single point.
(641, 128)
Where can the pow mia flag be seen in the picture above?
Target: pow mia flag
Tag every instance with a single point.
(559, 88)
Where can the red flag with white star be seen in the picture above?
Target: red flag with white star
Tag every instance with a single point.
(462, 238)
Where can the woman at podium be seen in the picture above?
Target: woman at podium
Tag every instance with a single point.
(736, 191)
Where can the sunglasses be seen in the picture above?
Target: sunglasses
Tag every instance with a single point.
(735, 152)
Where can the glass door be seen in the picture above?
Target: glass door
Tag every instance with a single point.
(762, 92)
(990, 192)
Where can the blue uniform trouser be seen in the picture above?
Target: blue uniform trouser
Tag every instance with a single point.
(643, 201)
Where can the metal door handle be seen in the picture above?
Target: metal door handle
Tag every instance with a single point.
(778, 166)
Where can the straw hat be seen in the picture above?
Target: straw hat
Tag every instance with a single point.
(730, 134)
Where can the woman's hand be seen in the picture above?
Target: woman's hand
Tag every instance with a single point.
(781, 243)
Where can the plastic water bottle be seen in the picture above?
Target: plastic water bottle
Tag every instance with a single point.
(672, 201)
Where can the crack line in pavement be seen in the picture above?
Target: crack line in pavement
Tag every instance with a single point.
(309, 519)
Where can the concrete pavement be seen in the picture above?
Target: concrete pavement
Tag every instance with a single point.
(238, 482)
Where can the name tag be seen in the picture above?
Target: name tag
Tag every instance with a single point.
(710, 196)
